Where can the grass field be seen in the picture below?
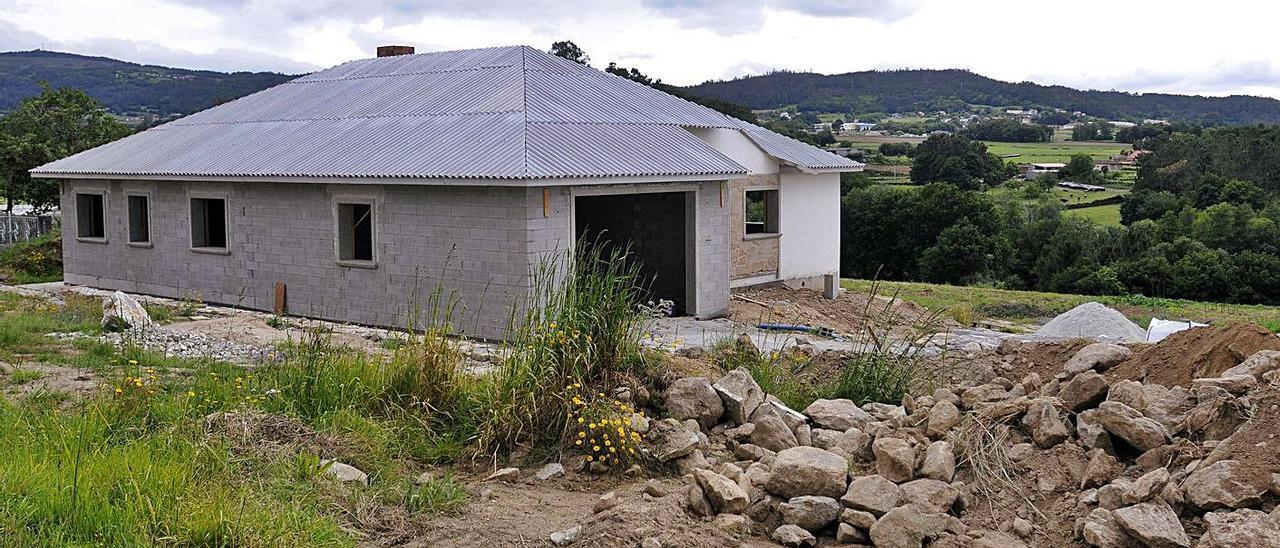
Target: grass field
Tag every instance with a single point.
(1105, 215)
(1055, 151)
(1024, 306)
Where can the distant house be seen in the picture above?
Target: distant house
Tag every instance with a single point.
(1035, 171)
(856, 127)
(1081, 186)
(351, 193)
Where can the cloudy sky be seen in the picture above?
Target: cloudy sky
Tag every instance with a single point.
(1220, 47)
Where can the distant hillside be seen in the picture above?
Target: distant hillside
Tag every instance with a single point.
(125, 88)
(951, 90)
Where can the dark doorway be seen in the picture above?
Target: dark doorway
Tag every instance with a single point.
(655, 226)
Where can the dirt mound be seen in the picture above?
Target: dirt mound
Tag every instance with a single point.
(847, 314)
(1195, 353)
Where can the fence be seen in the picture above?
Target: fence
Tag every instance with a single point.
(20, 228)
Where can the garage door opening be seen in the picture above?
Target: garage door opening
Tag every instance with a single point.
(656, 227)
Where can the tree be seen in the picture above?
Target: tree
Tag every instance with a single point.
(1079, 169)
(1012, 131)
(1092, 131)
(570, 51)
(962, 254)
(52, 125)
(836, 125)
(956, 159)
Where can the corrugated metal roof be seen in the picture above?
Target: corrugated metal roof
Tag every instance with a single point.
(510, 112)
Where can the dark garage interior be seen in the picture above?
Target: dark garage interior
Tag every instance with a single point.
(654, 225)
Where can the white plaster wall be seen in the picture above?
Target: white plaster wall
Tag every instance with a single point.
(738, 147)
(810, 224)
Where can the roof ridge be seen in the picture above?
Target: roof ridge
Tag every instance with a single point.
(304, 80)
(319, 118)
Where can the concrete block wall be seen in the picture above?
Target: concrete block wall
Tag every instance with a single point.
(755, 255)
(476, 242)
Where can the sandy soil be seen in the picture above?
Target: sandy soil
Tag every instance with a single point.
(848, 314)
(53, 378)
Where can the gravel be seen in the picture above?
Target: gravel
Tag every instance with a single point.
(186, 344)
(1093, 321)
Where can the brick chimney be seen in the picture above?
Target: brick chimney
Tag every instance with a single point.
(391, 51)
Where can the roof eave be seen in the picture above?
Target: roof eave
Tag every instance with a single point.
(514, 182)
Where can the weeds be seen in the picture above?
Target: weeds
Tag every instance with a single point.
(581, 325)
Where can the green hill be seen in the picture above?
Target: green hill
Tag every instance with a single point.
(956, 90)
(126, 88)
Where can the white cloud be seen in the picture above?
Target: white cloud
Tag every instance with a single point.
(1140, 45)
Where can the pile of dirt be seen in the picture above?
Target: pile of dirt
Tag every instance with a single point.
(1093, 321)
(1195, 353)
(848, 314)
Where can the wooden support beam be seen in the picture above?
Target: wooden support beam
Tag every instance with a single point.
(279, 308)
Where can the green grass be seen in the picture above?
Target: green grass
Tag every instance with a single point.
(1026, 306)
(1055, 151)
(1105, 215)
(24, 376)
(133, 465)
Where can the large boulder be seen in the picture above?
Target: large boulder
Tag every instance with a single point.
(1257, 364)
(1043, 423)
(121, 312)
(772, 434)
(1131, 426)
(725, 495)
(1102, 530)
(895, 459)
(1102, 468)
(1225, 484)
(1097, 356)
(805, 470)
(1154, 524)
(694, 398)
(930, 494)
(943, 416)
(672, 439)
(1091, 433)
(810, 512)
(939, 461)
(852, 444)
(907, 527)
(873, 494)
(740, 395)
(793, 536)
(838, 414)
(1084, 391)
(1244, 528)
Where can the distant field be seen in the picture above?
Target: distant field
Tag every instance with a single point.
(1106, 215)
(1033, 307)
(1056, 151)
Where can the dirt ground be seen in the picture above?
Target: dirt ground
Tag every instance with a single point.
(51, 378)
(848, 314)
(527, 515)
(1042, 490)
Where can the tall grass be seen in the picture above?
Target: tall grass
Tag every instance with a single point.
(581, 324)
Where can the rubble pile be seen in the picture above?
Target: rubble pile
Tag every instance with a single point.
(1076, 459)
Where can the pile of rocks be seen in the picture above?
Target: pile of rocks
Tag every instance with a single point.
(886, 475)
